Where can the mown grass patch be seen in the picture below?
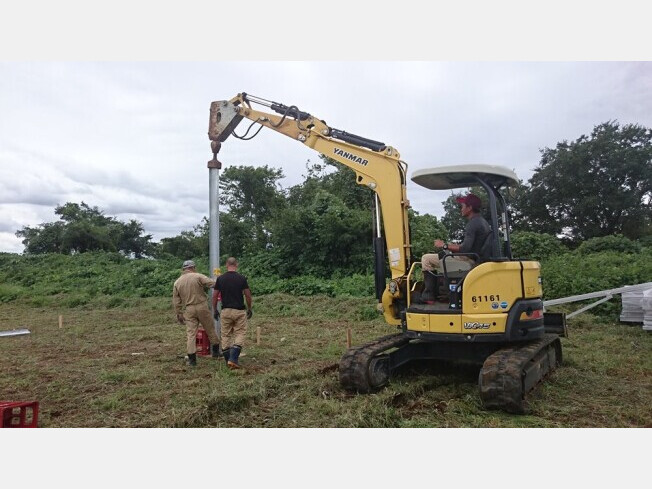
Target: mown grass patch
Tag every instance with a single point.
(124, 367)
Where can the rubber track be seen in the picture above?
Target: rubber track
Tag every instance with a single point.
(502, 376)
(354, 364)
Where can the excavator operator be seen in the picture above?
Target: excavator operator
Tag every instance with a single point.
(476, 232)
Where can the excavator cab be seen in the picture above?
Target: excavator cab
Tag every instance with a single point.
(483, 302)
(490, 177)
(446, 284)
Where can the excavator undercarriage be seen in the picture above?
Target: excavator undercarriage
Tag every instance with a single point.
(508, 374)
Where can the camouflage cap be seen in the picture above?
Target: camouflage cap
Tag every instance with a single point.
(188, 264)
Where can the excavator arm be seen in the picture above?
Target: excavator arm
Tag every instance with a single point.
(376, 165)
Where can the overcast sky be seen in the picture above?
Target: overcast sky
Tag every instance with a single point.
(131, 138)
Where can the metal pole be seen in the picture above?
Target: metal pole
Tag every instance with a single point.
(214, 219)
(595, 295)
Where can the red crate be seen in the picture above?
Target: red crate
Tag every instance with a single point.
(203, 343)
(18, 414)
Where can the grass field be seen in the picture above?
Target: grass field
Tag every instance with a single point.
(124, 367)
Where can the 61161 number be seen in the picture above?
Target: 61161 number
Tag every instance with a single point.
(485, 298)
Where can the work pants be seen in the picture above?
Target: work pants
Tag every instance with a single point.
(234, 327)
(194, 315)
(431, 262)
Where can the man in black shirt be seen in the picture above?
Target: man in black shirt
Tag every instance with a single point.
(231, 286)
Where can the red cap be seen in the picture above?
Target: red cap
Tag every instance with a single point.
(470, 200)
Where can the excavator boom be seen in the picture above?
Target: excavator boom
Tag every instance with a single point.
(376, 165)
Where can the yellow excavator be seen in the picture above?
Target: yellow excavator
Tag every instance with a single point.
(491, 315)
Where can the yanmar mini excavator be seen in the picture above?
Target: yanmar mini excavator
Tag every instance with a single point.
(491, 315)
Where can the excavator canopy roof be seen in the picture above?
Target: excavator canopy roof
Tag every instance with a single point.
(463, 176)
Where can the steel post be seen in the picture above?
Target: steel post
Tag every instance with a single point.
(214, 224)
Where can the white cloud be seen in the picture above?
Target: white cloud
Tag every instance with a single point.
(131, 138)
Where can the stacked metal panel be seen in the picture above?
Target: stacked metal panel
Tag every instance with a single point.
(632, 312)
(646, 305)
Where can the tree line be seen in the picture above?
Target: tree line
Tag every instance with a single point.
(598, 185)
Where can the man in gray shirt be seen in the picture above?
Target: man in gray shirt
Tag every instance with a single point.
(475, 234)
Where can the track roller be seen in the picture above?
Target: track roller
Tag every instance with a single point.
(366, 368)
(510, 374)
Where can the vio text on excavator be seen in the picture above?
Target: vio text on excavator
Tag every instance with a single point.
(491, 315)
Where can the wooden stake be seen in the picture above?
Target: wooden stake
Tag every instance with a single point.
(258, 335)
(348, 337)
(60, 321)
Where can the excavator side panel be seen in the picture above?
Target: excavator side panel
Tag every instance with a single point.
(484, 323)
(492, 288)
(434, 323)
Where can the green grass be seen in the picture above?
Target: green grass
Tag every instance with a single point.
(120, 364)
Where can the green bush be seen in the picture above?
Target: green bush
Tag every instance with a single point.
(617, 243)
(10, 292)
(89, 274)
(111, 280)
(91, 278)
(263, 285)
(306, 285)
(262, 264)
(646, 241)
(75, 300)
(355, 286)
(576, 273)
(536, 246)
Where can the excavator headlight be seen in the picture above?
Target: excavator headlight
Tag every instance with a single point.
(392, 287)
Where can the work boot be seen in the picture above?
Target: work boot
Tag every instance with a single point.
(192, 359)
(225, 354)
(429, 287)
(215, 350)
(233, 357)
